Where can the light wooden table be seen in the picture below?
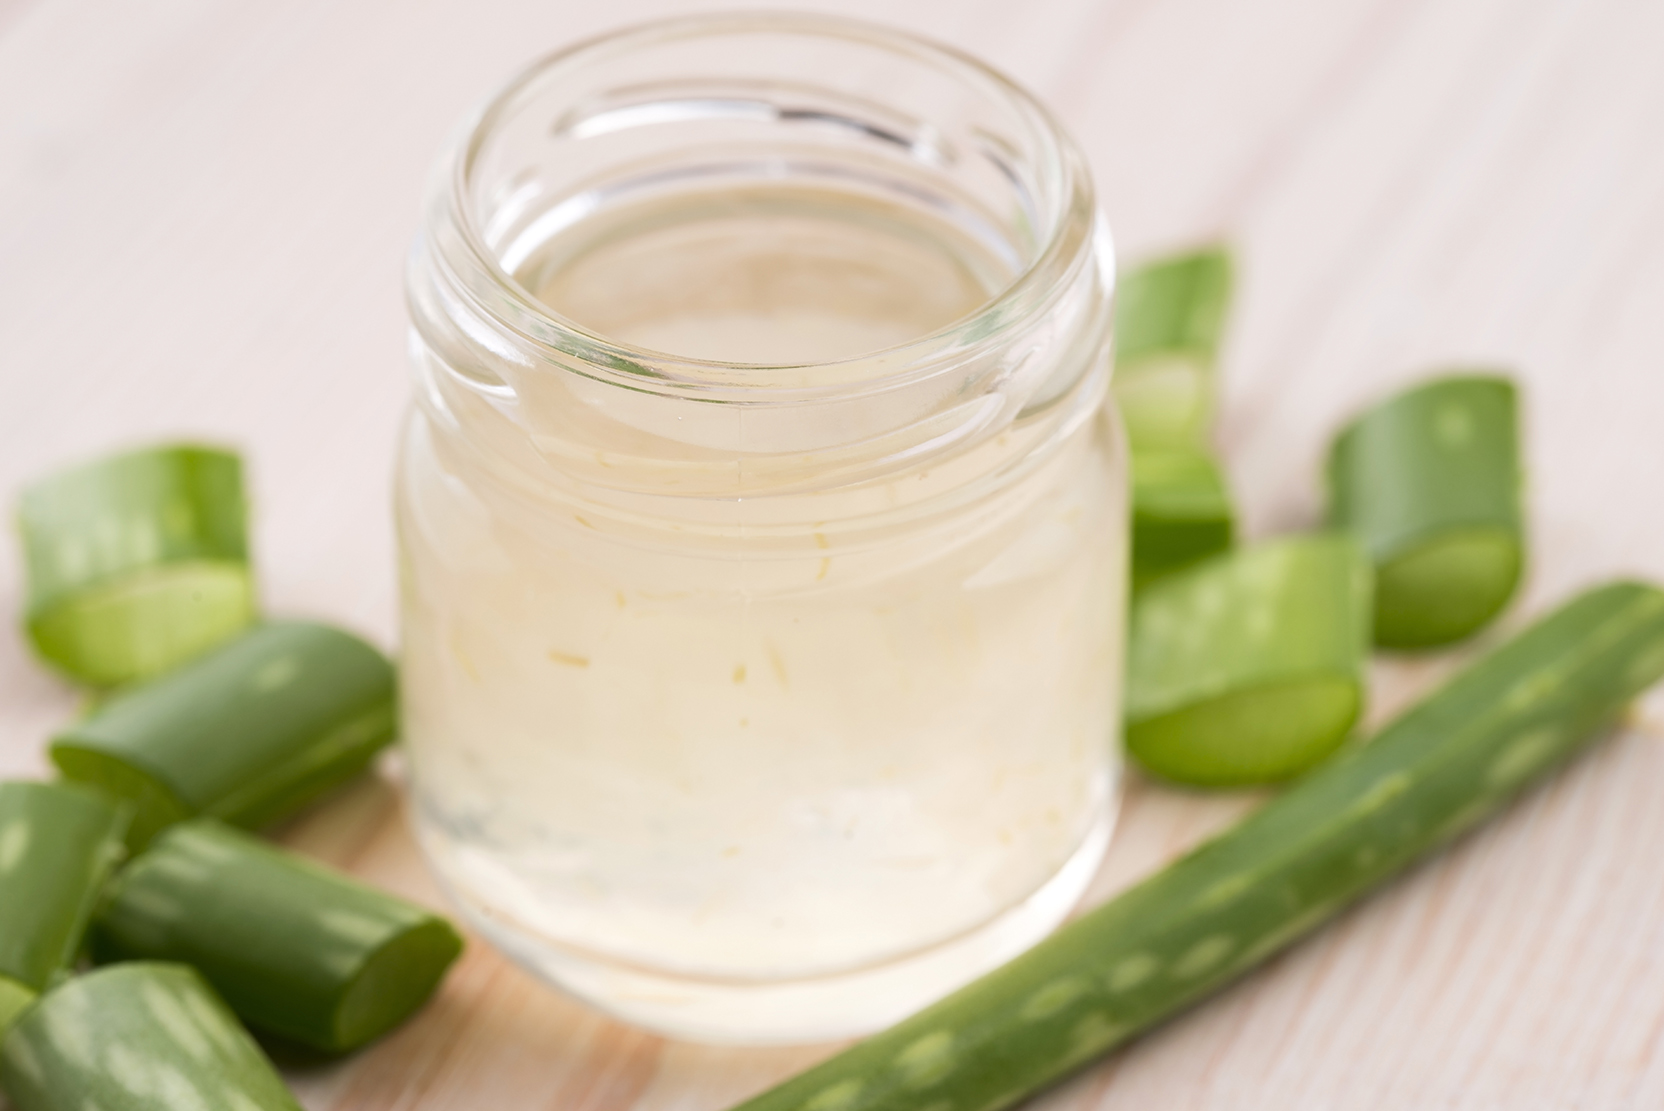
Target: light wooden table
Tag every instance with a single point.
(204, 207)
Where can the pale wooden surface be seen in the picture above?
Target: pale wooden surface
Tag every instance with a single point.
(204, 207)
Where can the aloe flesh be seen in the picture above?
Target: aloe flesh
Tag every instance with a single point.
(1430, 483)
(136, 562)
(1249, 667)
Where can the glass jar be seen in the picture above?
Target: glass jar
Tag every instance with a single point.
(762, 525)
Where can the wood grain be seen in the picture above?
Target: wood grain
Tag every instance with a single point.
(204, 208)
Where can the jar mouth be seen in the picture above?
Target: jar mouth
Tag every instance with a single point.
(1050, 198)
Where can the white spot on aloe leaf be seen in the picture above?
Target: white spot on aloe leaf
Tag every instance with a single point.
(1134, 970)
(1203, 956)
(177, 1091)
(201, 844)
(839, 1096)
(160, 908)
(215, 1024)
(69, 1027)
(129, 1069)
(1052, 998)
(1381, 792)
(352, 926)
(1453, 425)
(1094, 1034)
(166, 1008)
(927, 1061)
(1645, 668)
(1523, 756)
(275, 674)
(1223, 891)
(1530, 691)
(14, 842)
(178, 866)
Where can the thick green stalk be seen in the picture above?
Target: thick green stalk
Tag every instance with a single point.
(1249, 667)
(1429, 481)
(1169, 316)
(1198, 924)
(137, 1037)
(294, 948)
(250, 732)
(1181, 512)
(136, 562)
(58, 844)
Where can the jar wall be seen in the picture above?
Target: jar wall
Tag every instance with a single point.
(760, 703)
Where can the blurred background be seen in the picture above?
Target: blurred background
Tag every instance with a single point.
(205, 207)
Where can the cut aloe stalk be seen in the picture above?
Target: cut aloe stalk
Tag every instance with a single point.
(1201, 922)
(1429, 481)
(294, 948)
(249, 733)
(1249, 667)
(137, 562)
(1168, 319)
(137, 1037)
(1181, 512)
(58, 844)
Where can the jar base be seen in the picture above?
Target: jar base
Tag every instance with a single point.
(799, 1011)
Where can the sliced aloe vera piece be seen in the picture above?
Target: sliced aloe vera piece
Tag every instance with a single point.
(137, 1037)
(250, 732)
(1249, 667)
(1429, 481)
(294, 948)
(1169, 316)
(1226, 907)
(136, 562)
(58, 844)
(1181, 512)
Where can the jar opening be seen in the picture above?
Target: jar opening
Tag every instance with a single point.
(644, 207)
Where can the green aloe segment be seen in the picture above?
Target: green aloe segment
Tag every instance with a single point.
(250, 732)
(294, 948)
(1201, 922)
(1169, 316)
(136, 562)
(1181, 512)
(58, 844)
(1430, 483)
(136, 1037)
(1249, 667)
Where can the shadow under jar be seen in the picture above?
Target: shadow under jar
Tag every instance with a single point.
(762, 525)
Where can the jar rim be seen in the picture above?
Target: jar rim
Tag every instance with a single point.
(1067, 241)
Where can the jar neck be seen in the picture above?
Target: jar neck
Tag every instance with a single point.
(538, 398)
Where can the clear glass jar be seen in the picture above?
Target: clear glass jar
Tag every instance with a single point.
(762, 525)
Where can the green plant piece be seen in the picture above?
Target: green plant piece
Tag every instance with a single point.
(295, 949)
(1429, 481)
(250, 732)
(1169, 316)
(1249, 667)
(1435, 772)
(136, 562)
(58, 844)
(136, 1037)
(1181, 512)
